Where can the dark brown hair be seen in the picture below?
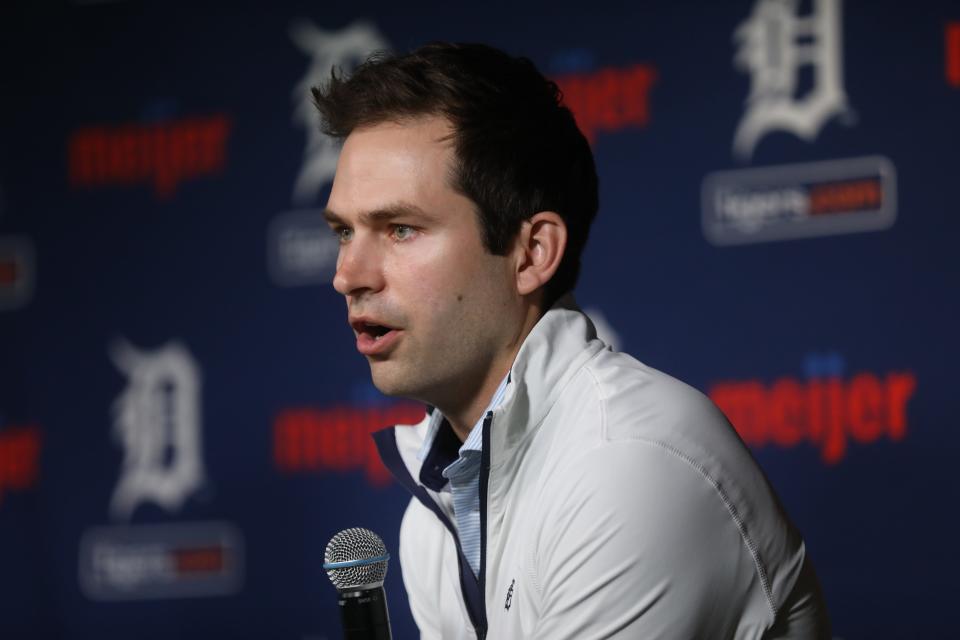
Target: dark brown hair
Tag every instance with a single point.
(518, 148)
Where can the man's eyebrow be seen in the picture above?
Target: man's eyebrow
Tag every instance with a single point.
(331, 217)
(383, 214)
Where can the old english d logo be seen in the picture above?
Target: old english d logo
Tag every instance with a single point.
(775, 44)
(344, 48)
(509, 601)
(157, 421)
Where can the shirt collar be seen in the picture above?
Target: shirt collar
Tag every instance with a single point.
(439, 448)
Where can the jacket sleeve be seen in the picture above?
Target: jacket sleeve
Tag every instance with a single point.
(418, 567)
(636, 543)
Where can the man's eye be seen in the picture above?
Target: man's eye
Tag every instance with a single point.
(343, 234)
(403, 232)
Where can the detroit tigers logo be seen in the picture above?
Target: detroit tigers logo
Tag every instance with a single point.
(157, 421)
(775, 45)
(509, 601)
(327, 49)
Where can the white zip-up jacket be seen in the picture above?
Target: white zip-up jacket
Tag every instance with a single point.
(616, 502)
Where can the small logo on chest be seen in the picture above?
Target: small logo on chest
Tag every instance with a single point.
(509, 600)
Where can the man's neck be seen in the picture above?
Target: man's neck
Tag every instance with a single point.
(463, 413)
(463, 419)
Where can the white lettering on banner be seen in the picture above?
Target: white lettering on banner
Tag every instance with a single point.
(132, 566)
(157, 420)
(762, 204)
(148, 562)
(343, 49)
(775, 44)
(750, 211)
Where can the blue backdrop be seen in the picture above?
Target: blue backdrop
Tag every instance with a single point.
(183, 414)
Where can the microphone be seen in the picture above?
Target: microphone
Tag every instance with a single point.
(356, 562)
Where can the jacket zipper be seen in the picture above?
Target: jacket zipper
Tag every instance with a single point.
(387, 445)
(484, 484)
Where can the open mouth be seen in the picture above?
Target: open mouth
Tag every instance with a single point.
(375, 331)
(374, 339)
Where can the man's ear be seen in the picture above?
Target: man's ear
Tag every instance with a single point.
(539, 249)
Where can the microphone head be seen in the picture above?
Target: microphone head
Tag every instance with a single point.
(356, 558)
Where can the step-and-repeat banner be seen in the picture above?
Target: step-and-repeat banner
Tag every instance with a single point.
(184, 419)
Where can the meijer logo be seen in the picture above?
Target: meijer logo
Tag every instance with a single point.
(826, 409)
(609, 99)
(952, 51)
(163, 154)
(19, 458)
(337, 439)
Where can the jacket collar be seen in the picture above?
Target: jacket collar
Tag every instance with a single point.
(552, 353)
(556, 348)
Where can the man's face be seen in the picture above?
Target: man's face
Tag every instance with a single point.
(435, 314)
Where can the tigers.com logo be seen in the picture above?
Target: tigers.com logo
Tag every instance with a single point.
(799, 201)
(825, 409)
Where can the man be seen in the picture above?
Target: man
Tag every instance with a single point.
(561, 490)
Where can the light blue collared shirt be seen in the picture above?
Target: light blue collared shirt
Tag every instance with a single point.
(464, 476)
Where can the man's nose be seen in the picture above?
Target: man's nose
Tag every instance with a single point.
(359, 268)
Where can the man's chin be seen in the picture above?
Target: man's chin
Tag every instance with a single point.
(393, 383)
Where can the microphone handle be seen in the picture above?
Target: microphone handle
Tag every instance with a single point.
(363, 613)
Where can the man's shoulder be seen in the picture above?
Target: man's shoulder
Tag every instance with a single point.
(632, 400)
(622, 400)
(621, 422)
(637, 427)
(628, 388)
